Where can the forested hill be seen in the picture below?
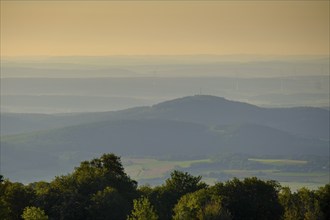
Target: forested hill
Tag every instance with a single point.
(203, 109)
(190, 127)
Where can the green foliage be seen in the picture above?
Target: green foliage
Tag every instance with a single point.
(183, 182)
(250, 199)
(98, 173)
(42, 193)
(324, 200)
(200, 205)
(98, 187)
(108, 204)
(166, 196)
(145, 190)
(14, 197)
(34, 213)
(143, 210)
(301, 205)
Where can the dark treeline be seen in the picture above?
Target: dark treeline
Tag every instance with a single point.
(100, 189)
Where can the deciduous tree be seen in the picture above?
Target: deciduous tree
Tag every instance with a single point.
(251, 198)
(143, 210)
(34, 213)
(200, 205)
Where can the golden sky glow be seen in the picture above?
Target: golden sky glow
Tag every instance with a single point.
(130, 28)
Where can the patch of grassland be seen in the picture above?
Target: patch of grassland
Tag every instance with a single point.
(296, 174)
(279, 162)
(146, 168)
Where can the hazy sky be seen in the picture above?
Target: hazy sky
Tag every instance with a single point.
(130, 28)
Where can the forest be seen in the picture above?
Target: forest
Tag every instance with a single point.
(101, 189)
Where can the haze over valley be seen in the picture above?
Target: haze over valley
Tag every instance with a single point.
(108, 107)
(192, 129)
(164, 110)
(89, 84)
(189, 112)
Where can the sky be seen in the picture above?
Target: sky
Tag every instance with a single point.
(86, 28)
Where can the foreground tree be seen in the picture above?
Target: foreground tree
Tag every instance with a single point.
(183, 182)
(143, 210)
(100, 189)
(99, 186)
(34, 213)
(301, 205)
(14, 198)
(200, 205)
(108, 204)
(166, 196)
(250, 199)
(324, 200)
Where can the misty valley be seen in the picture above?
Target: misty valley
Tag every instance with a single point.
(124, 137)
(164, 110)
(204, 135)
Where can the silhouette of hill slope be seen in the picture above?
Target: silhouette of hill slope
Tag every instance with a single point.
(202, 109)
(191, 127)
(159, 137)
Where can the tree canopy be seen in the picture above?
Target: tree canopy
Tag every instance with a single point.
(250, 198)
(100, 189)
(34, 213)
(143, 210)
(202, 205)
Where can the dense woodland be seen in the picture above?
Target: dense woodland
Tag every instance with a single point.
(100, 189)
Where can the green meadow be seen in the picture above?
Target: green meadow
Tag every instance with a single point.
(146, 169)
(279, 161)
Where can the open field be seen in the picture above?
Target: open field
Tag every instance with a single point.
(279, 161)
(153, 171)
(145, 168)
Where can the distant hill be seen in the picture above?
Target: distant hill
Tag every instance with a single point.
(202, 109)
(158, 137)
(16, 123)
(193, 127)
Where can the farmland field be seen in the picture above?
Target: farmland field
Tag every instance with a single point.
(145, 168)
(279, 161)
(154, 171)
